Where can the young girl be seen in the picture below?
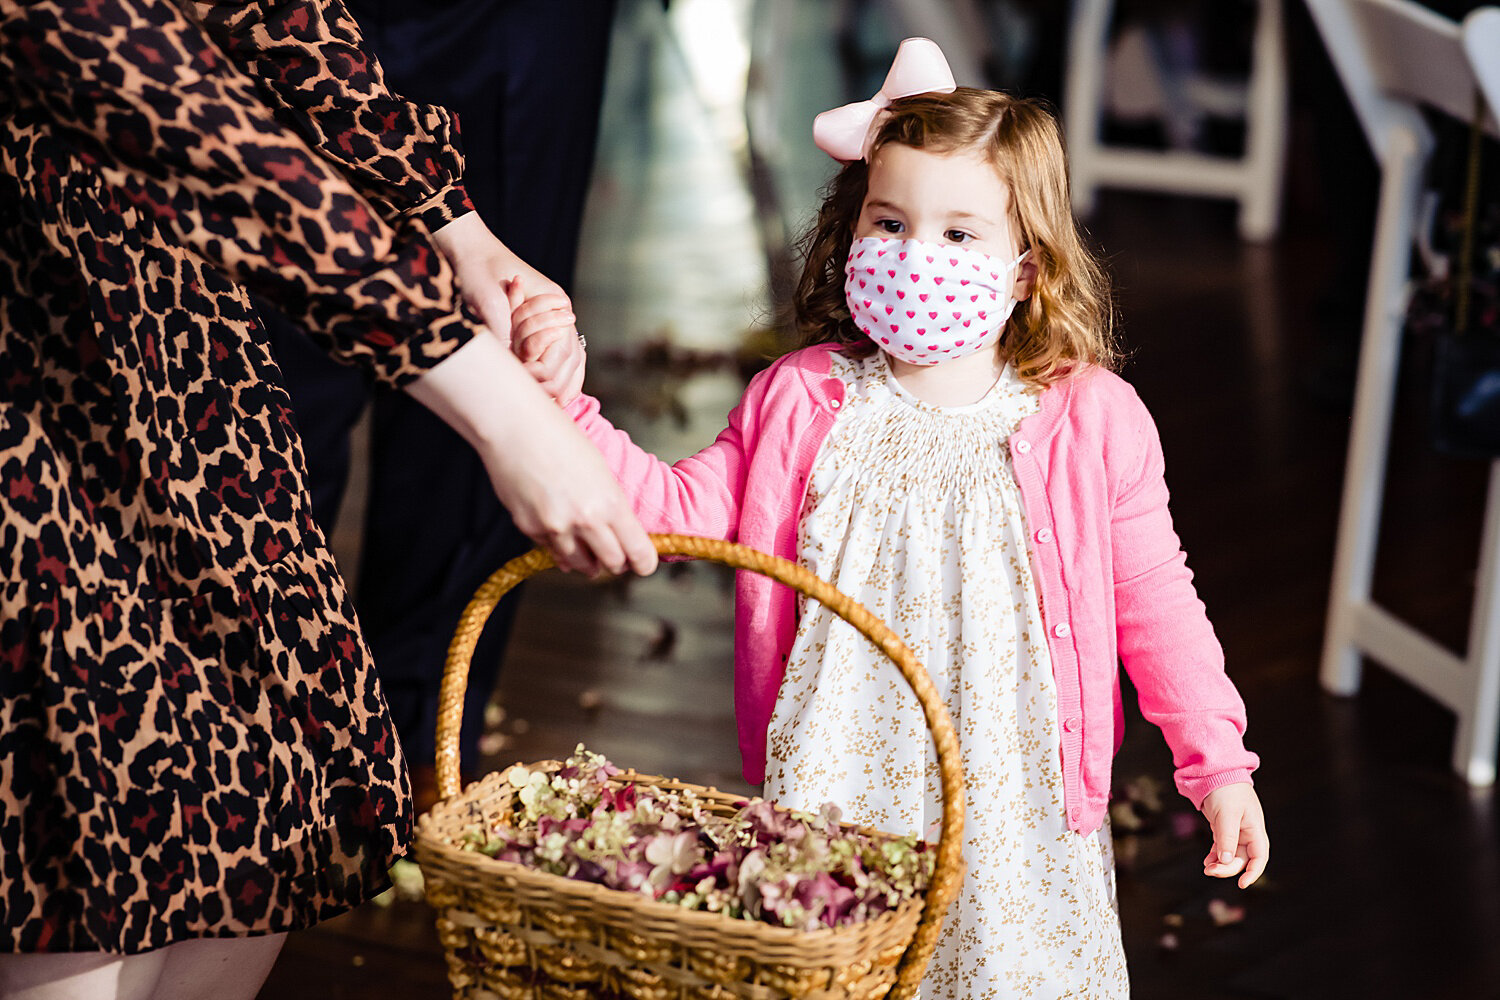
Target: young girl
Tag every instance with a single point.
(951, 451)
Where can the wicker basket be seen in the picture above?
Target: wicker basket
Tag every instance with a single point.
(513, 933)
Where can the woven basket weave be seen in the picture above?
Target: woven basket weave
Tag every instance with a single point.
(510, 932)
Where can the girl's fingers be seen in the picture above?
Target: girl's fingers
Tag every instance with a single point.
(1226, 829)
(1258, 854)
(1217, 869)
(563, 382)
(538, 305)
(514, 297)
(543, 301)
(535, 322)
(532, 339)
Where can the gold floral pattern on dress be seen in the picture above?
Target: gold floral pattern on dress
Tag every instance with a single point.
(913, 510)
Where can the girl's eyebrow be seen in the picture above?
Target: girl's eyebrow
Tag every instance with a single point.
(970, 215)
(880, 205)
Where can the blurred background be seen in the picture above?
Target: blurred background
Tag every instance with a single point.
(1242, 333)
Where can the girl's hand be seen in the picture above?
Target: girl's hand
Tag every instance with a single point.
(544, 336)
(496, 283)
(1239, 826)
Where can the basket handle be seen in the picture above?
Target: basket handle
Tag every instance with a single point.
(948, 868)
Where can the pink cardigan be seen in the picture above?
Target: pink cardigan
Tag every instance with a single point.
(1113, 579)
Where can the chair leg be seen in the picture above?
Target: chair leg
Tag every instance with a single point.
(1088, 35)
(1474, 744)
(1265, 127)
(1369, 437)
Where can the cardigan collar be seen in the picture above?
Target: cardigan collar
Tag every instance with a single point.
(815, 364)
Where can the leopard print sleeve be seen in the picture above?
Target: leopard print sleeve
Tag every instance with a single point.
(309, 57)
(148, 103)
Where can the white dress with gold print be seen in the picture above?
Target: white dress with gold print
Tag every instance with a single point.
(913, 510)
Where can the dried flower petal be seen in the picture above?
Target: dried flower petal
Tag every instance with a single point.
(1145, 791)
(1123, 818)
(791, 868)
(1184, 825)
(1223, 914)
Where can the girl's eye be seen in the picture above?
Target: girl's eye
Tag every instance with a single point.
(957, 236)
(888, 225)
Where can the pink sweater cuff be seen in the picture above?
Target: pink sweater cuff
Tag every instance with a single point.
(1195, 790)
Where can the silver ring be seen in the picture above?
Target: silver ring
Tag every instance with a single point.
(583, 342)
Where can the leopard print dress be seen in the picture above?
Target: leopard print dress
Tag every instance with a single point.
(192, 740)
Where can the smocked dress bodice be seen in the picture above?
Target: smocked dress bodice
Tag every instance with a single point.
(913, 510)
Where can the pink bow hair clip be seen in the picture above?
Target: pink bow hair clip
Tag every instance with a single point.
(919, 68)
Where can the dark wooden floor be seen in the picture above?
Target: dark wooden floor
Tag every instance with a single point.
(1385, 874)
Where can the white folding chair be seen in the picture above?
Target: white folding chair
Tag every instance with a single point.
(1254, 179)
(1392, 56)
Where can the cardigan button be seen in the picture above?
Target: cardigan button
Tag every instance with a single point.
(833, 404)
(1071, 724)
(1075, 813)
(1061, 630)
(1044, 535)
(1023, 446)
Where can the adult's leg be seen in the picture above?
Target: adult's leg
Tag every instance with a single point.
(79, 976)
(526, 80)
(209, 969)
(217, 968)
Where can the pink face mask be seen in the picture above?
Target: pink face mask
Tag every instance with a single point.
(925, 302)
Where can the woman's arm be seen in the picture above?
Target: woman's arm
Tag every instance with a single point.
(310, 60)
(148, 102)
(553, 482)
(142, 97)
(404, 157)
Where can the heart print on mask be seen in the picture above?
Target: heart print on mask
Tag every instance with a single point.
(925, 302)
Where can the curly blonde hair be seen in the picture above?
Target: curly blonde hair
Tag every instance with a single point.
(1067, 321)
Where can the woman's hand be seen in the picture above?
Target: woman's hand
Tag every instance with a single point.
(1239, 827)
(552, 480)
(490, 273)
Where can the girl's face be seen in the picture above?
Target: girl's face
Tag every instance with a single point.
(951, 198)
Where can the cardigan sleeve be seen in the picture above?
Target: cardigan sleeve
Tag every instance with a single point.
(149, 105)
(703, 494)
(1166, 642)
(309, 58)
